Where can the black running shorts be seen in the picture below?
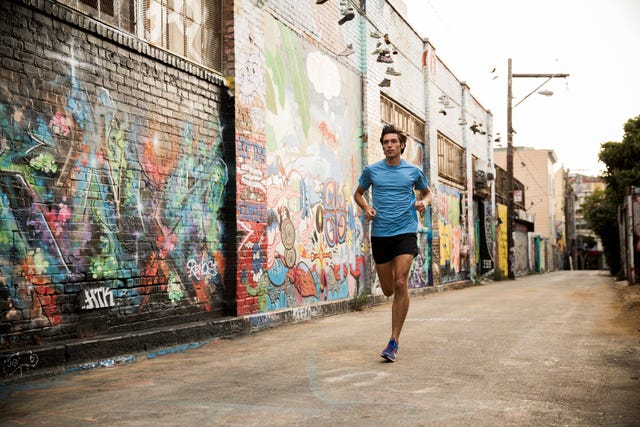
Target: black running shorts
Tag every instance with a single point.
(384, 249)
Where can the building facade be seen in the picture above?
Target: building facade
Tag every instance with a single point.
(170, 163)
(534, 168)
(587, 249)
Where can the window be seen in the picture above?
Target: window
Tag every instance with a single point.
(189, 28)
(117, 13)
(450, 160)
(392, 113)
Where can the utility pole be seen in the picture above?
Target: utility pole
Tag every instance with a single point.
(510, 205)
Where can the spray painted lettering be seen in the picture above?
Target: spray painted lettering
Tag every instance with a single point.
(97, 298)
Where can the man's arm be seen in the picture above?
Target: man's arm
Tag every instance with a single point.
(425, 200)
(358, 197)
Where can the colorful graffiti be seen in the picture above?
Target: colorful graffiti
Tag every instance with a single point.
(313, 237)
(104, 207)
(421, 274)
(502, 241)
(454, 251)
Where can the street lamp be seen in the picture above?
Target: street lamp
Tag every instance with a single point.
(510, 205)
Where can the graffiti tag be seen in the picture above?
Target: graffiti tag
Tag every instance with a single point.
(249, 211)
(97, 298)
(18, 362)
(206, 268)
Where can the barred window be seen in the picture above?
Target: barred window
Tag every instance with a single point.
(117, 13)
(450, 160)
(189, 28)
(392, 113)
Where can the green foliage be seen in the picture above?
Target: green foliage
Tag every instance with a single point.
(590, 241)
(622, 161)
(601, 214)
(359, 301)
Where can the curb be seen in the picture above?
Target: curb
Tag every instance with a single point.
(107, 350)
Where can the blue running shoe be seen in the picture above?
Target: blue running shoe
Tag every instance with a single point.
(391, 351)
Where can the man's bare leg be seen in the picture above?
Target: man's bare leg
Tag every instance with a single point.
(400, 307)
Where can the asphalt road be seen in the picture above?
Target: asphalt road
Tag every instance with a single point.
(560, 349)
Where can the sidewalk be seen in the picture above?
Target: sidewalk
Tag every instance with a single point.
(554, 349)
(108, 350)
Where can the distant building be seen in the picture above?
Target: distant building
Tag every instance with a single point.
(560, 184)
(534, 168)
(588, 246)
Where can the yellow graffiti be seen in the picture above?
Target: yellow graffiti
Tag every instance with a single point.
(501, 237)
(446, 241)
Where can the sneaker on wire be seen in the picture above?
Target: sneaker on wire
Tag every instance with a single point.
(384, 58)
(347, 15)
(392, 72)
(391, 351)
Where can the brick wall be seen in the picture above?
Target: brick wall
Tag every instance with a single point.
(114, 169)
(298, 138)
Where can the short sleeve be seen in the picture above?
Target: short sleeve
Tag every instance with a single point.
(421, 180)
(365, 179)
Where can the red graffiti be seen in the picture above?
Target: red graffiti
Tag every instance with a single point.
(325, 132)
(303, 282)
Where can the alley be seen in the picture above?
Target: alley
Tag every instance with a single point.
(553, 349)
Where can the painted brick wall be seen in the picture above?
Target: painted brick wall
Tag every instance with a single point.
(114, 214)
(298, 138)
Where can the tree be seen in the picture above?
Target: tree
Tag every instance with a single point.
(602, 218)
(622, 161)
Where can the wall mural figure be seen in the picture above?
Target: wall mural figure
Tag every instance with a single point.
(453, 250)
(314, 249)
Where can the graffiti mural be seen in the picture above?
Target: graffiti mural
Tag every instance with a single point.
(502, 241)
(485, 235)
(454, 250)
(421, 270)
(421, 274)
(314, 239)
(104, 206)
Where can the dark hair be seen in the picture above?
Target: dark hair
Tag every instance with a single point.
(387, 129)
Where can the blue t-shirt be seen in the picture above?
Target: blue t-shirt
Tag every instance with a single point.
(393, 197)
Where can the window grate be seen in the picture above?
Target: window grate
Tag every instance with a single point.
(189, 28)
(450, 160)
(394, 114)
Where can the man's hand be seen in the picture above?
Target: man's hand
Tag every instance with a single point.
(369, 213)
(421, 205)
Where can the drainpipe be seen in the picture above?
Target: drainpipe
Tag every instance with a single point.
(468, 209)
(369, 277)
(430, 154)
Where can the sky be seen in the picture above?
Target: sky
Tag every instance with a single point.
(596, 42)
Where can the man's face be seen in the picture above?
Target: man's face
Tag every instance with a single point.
(391, 145)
